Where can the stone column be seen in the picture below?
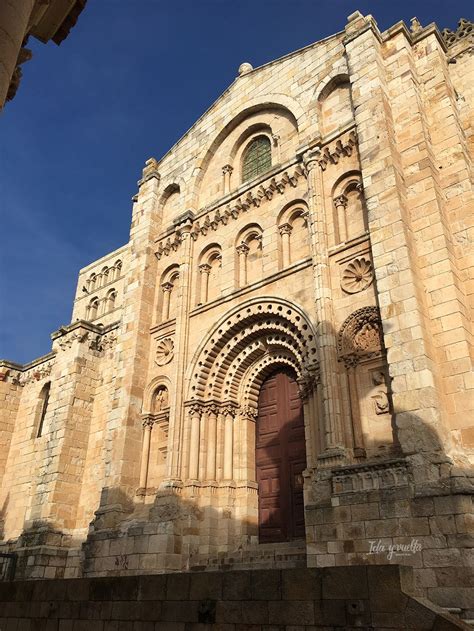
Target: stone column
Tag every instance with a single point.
(205, 270)
(211, 443)
(229, 414)
(340, 203)
(358, 437)
(183, 225)
(147, 427)
(326, 337)
(243, 250)
(167, 289)
(195, 412)
(226, 172)
(285, 232)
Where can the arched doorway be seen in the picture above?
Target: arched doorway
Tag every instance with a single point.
(280, 458)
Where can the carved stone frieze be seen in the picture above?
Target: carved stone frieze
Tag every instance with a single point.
(35, 374)
(331, 154)
(357, 275)
(252, 199)
(360, 335)
(66, 341)
(164, 352)
(372, 476)
(103, 342)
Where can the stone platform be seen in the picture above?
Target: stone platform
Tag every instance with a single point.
(371, 597)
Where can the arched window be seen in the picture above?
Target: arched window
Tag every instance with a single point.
(92, 282)
(42, 408)
(111, 297)
(257, 158)
(105, 274)
(92, 309)
(117, 270)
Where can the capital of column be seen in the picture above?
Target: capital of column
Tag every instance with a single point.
(167, 287)
(212, 409)
(227, 168)
(351, 361)
(195, 409)
(311, 158)
(285, 228)
(148, 423)
(341, 200)
(229, 410)
(205, 268)
(243, 249)
(248, 412)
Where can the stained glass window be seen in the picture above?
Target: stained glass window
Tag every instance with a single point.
(257, 158)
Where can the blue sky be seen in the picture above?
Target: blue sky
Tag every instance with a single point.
(130, 79)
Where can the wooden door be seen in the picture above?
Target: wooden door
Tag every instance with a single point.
(280, 459)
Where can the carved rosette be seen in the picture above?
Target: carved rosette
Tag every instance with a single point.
(164, 352)
(357, 276)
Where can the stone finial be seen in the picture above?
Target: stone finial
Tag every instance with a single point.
(415, 25)
(245, 68)
(150, 171)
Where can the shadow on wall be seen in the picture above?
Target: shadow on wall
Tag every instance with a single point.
(3, 512)
(176, 533)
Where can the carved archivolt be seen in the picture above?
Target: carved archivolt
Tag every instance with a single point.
(247, 345)
(360, 336)
(164, 351)
(357, 275)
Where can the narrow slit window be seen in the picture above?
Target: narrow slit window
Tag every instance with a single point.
(44, 399)
(257, 158)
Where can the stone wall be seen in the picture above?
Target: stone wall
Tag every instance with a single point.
(287, 600)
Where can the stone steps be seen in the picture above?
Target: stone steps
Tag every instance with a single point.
(458, 612)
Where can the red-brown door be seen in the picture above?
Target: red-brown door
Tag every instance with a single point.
(280, 459)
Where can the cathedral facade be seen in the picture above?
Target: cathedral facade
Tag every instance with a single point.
(274, 371)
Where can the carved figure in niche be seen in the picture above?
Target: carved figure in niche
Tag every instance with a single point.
(380, 398)
(161, 400)
(368, 338)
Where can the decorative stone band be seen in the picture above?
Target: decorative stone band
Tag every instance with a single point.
(20, 375)
(465, 30)
(84, 331)
(253, 199)
(198, 408)
(371, 476)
